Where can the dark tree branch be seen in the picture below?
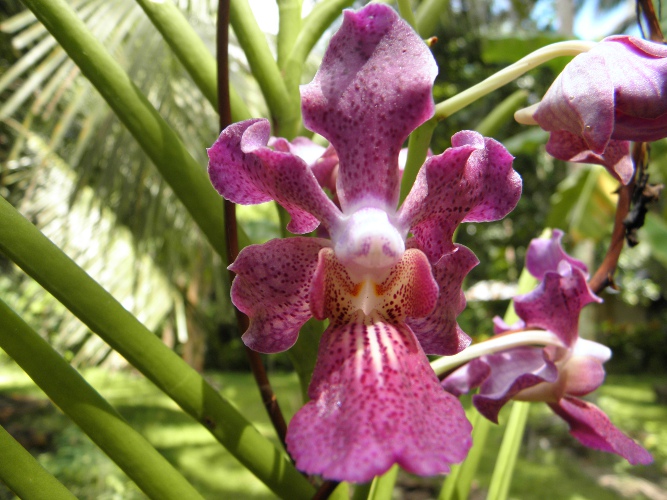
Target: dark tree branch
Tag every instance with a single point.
(224, 110)
(646, 8)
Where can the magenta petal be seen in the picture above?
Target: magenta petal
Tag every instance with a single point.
(466, 378)
(555, 305)
(372, 89)
(615, 158)
(438, 332)
(512, 371)
(544, 255)
(375, 401)
(592, 428)
(581, 101)
(272, 287)
(471, 181)
(244, 170)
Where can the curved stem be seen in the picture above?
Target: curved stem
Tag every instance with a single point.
(509, 74)
(496, 343)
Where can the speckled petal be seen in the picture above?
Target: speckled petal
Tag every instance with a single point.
(244, 170)
(512, 371)
(472, 181)
(407, 290)
(616, 157)
(592, 428)
(372, 89)
(581, 101)
(555, 305)
(438, 332)
(545, 254)
(272, 287)
(375, 401)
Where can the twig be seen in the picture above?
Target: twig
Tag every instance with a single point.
(224, 110)
(604, 276)
(654, 30)
(325, 490)
(624, 225)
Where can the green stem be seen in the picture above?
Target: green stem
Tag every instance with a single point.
(458, 483)
(48, 265)
(509, 74)
(382, 487)
(405, 9)
(495, 344)
(97, 418)
(24, 475)
(428, 16)
(501, 479)
(283, 107)
(289, 27)
(418, 145)
(186, 177)
(502, 113)
(192, 52)
(313, 27)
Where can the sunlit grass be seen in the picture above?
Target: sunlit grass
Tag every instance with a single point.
(551, 465)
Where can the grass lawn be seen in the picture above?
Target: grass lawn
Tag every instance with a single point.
(551, 466)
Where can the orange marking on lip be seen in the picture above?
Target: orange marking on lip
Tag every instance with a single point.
(356, 290)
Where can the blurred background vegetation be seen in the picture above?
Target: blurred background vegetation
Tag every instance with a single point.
(70, 167)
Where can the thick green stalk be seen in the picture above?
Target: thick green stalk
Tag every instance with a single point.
(47, 264)
(501, 480)
(282, 105)
(289, 27)
(186, 177)
(509, 74)
(458, 483)
(192, 52)
(428, 16)
(418, 145)
(405, 9)
(382, 487)
(97, 418)
(313, 27)
(502, 113)
(24, 475)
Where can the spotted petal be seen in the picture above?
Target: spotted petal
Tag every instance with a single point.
(375, 401)
(592, 428)
(372, 89)
(438, 332)
(473, 181)
(407, 290)
(545, 254)
(272, 287)
(244, 170)
(555, 305)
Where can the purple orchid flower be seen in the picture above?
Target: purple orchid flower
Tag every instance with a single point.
(375, 401)
(559, 373)
(612, 94)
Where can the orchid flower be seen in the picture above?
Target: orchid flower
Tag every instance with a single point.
(612, 94)
(375, 401)
(557, 374)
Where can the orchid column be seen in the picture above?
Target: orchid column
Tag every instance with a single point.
(375, 401)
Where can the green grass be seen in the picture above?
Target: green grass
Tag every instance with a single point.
(551, 465)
